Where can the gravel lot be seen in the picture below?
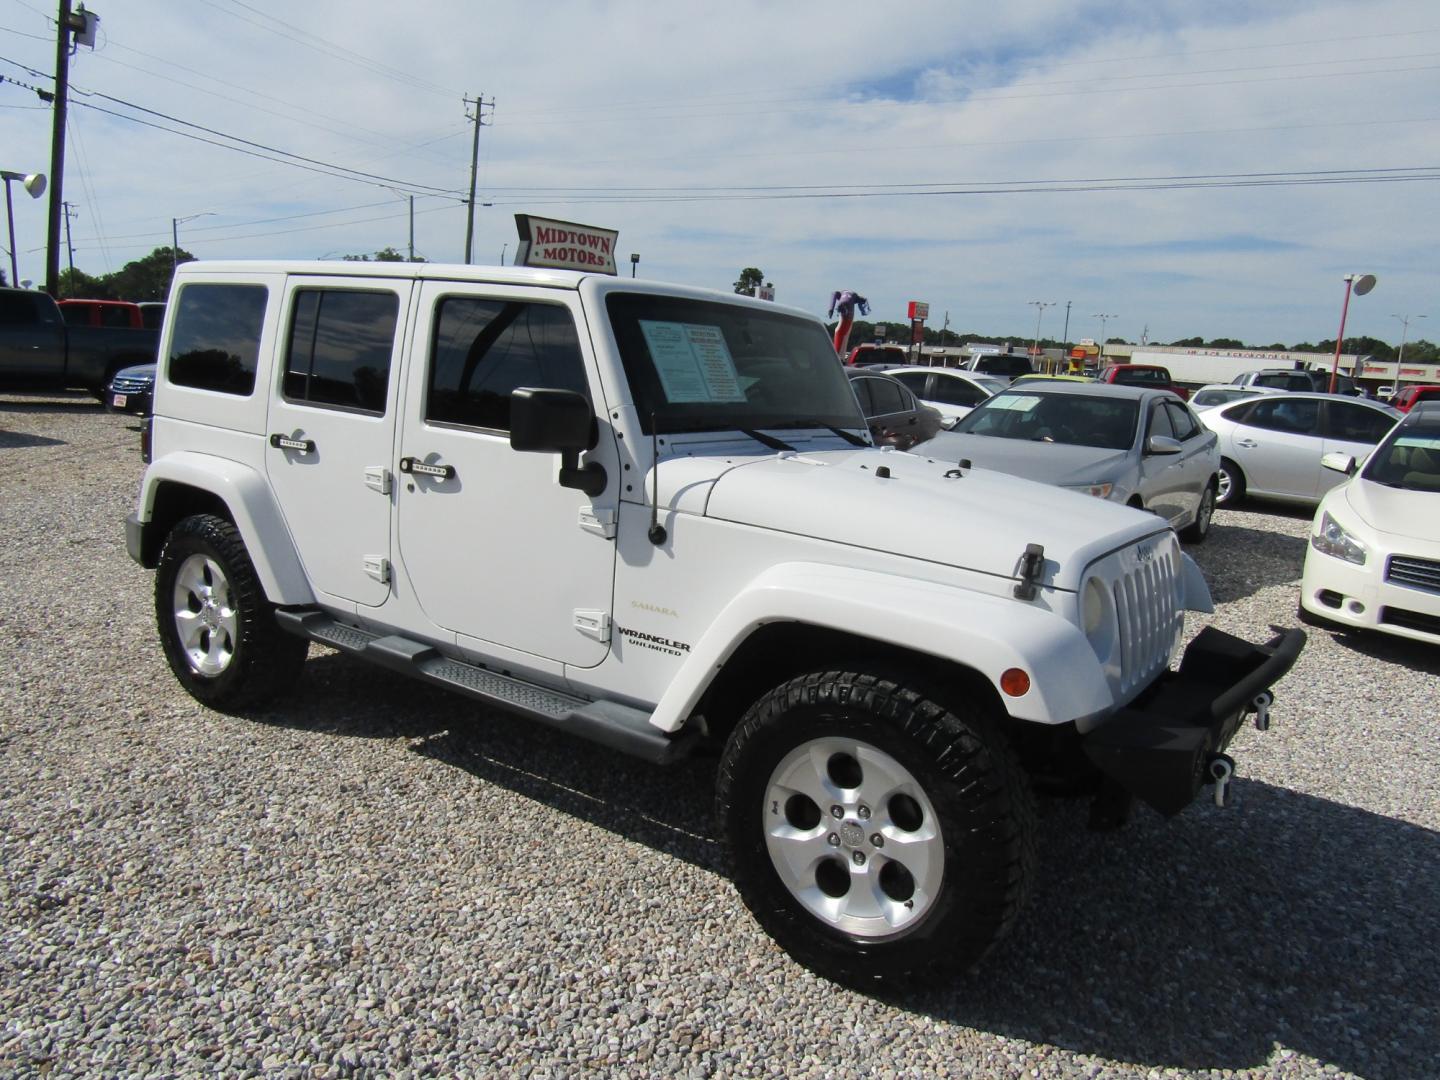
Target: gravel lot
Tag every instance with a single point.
(381, 879)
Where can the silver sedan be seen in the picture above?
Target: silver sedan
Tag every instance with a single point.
(1130, 444)
(1272, 445)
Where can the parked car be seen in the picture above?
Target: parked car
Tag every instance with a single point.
(1151, 375)
(1373, 561)
(867, 355)
(1407, 397)
(1301, 380)
(1272, 445)
(895, 416)
(152, 313)
(132, 390)
(1128, 444)
(1207, 397)
(950, 391)
(1040, 376)
(39, 351)
(1008, 365)
(114, 313)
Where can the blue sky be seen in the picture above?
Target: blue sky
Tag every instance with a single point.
(715, 137)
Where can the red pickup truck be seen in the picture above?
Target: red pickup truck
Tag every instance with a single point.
(1151, 375)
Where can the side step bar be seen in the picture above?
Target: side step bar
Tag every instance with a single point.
(606, 722)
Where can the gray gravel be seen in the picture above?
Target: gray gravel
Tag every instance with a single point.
(380, 879)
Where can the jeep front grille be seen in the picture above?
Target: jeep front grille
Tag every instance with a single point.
(1145, 584)
(1413, 573)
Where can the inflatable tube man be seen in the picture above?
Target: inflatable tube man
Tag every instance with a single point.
(846, 302)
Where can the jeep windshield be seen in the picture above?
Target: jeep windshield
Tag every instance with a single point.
(699, 365)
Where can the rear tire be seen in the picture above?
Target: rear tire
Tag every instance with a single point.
(936, 784)
(217, 628)
(1199, 529)
(1231, 484)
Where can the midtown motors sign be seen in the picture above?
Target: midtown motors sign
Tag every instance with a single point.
(564, 245)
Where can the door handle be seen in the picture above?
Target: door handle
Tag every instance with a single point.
(1249, 444)
(285, 442)
(416, 467)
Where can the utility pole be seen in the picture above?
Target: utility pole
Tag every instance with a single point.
(69, 244)
(479, 102)
(1039, 306)
(82, 24)
(412, 228)
(1067, 332)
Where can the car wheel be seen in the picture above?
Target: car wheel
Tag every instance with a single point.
(874, 831)
(1230, 483)
(218, 630)
(1199, 529)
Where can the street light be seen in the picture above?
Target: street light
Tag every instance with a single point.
(1104, 318)
(1405, 334)
(1359, 284)
(175, 224)
(634, 262)
(1039, 306)
(35, 185)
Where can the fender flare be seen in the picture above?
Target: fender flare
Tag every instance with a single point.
(987, 633)
(253, 509)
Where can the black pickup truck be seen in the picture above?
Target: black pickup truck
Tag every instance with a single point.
(38, 351)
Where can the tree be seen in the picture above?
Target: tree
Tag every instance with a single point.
(1188, 343)
(1225, 343)
(80, 285)
(385, 254)
(147, 278)
(750, 279)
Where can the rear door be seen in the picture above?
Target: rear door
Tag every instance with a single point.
(32, 341)
(332, 429)
(1278, 445)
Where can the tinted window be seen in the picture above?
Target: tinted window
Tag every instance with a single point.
(1056, 418)
(1283, 413)
(1141, 377)
(153, 316)
(216, 340)
(887, 397)
(340, 347)
(76, 314)
(484, 349)
(953, 391)
(1356, 423)
(17, 309)
(1182, 420)
(111, 315)
(1160, 422)
(1284, 380)
(914, 381)
(1217, 397)
(863, 396)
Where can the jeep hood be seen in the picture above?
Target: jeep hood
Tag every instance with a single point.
(924, 509)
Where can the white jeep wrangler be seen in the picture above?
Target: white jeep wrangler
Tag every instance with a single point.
(652, 516)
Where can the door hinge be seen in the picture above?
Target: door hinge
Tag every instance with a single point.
(378, 567)
(600, 522)
(593, 624)
(377, 478)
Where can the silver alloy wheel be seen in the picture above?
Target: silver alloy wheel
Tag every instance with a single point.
(853, 836)
(1207, 509)
(1225, 482)
(206, 619)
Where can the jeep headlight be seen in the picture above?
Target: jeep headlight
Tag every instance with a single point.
(1100, 491)
(1097, 617)
(1333, 540)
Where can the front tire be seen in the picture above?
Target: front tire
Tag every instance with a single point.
(874, 831)
(217, 628)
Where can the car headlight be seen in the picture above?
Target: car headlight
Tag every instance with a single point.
(1333, 540)
(1097, 617)
(1100, 491)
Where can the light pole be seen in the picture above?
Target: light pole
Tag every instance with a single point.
(1104, 318)
(1065, 348)
(1359, 284)
(1039, 306)
(35, 185)
(503, 247)
(175, 224)
(1404, 335)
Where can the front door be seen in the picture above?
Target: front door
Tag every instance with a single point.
(494, 548)
(332, 430)
(1278, 445)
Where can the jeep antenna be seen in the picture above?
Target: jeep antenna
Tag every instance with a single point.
(657, 531)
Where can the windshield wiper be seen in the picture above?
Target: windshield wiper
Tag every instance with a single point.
(848, 436)
(765, 440)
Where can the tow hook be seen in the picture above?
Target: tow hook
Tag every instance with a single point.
(1260, 704)
(1221, 768)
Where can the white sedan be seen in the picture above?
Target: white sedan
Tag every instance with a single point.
(952, 392)
(1374, 557)
(1272, 445)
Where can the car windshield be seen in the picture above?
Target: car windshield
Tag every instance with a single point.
(1072, 419)
(1410, 458)
(698, 365)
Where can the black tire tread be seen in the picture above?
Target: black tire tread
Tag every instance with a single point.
(961, 741)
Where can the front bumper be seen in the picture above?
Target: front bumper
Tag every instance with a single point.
(1160, 746)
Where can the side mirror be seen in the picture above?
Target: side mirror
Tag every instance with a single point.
(1341, 463)
(1162, 444)
(558, 422)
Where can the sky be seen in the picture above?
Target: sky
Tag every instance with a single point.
(1187, 169)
